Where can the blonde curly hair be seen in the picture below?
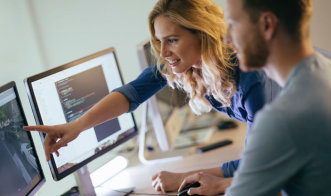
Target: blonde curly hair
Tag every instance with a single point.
(216, 75)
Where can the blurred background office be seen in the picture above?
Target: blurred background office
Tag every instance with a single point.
(36, 35)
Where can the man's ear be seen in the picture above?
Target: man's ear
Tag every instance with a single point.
(268, 23)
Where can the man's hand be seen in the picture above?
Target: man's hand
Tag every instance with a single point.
(209, 184)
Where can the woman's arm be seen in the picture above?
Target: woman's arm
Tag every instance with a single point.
(148, 83)
(228, 168)
(58, 136)
(111, 106)
(121, 100)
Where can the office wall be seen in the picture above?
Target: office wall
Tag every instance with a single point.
(320, 28)
(19, 54)
(72, 29)
(36, 35)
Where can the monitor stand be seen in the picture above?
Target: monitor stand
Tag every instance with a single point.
(86, 187)
(84, 181)
(104, 191)
(141, 142)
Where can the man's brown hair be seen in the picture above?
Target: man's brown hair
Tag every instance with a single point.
(293, 15)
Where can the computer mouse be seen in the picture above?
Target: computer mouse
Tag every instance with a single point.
(187, 187)
(228, 124)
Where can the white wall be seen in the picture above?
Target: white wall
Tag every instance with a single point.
(72, 29)
(320, 28)
(19, 54)
(36, 35)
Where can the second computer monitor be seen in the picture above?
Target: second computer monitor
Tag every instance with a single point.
(20, 171)
(65, 93)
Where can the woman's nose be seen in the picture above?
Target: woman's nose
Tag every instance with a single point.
(164, 51)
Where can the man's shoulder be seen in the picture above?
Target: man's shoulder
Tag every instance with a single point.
(282, 111)
(312, 69)
(309, 83)
(297, 108)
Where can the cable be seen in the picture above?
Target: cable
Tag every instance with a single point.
(134, 193)
(127, 193)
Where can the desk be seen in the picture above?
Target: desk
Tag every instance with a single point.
(139, 176)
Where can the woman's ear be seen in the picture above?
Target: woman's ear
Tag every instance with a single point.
(268, 23)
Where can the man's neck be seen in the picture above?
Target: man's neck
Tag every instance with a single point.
(284, 56)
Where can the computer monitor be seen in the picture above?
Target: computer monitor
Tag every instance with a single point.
(20, 170)
(65, 93)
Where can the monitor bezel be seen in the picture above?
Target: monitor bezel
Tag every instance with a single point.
(32, 188)
(28, 84)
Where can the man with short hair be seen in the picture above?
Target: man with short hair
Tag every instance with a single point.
(289, 147)
(290, 144)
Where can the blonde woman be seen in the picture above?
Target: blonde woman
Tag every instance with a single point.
(188, 38)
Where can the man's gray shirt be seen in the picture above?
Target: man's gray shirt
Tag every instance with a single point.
(289, 146)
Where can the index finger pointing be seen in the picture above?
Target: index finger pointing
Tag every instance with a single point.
(154, 176)
(42, 128)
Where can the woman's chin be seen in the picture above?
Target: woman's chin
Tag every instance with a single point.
(178, 71)
(175, 70)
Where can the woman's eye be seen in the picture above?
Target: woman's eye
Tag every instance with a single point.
(172, 40)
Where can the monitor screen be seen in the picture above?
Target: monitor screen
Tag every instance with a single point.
(20, 171)
(65, 93)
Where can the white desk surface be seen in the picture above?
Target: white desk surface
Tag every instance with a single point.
(139, 175)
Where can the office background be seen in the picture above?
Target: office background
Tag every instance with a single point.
(36, 35)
